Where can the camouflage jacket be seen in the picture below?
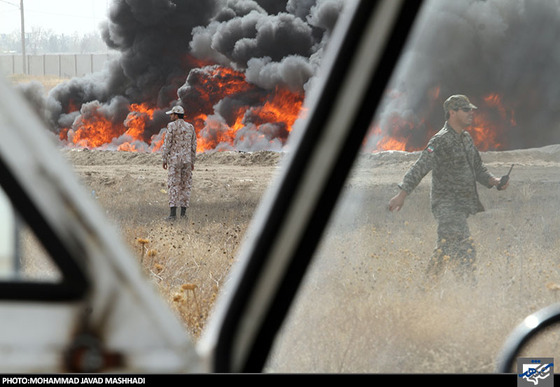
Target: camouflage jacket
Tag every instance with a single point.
(456, 167)
(179, 145)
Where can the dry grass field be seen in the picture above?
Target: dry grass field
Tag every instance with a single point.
(365, 306)
(187, 260)
(366, 297)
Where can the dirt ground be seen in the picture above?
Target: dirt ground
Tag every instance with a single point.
(217, 175)
(368, 269)
(366, 296)
(362, 307)
(131, 188)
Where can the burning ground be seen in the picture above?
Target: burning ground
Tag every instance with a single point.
(242, 69)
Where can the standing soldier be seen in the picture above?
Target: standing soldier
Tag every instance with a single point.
(456, 168)
(179, 153)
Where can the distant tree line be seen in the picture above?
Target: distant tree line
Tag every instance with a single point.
(42, 41)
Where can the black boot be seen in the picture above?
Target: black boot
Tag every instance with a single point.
(183, 212)
(172, 213)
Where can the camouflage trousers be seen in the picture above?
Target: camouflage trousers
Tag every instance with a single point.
(179, 183)
(454, 248)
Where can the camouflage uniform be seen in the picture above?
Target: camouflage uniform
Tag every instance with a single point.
(456, 168)
(179, 153)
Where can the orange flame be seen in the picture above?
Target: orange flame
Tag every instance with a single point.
(284, 106)
(94, 130)
(136, 120)
(401, 130)
(281, 107)
(492, 120)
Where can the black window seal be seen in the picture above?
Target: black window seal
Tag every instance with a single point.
(74, 283)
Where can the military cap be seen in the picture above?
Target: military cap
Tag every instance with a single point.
(176, 110)
(456, 102)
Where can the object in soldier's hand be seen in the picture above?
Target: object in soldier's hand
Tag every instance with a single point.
(504, 179)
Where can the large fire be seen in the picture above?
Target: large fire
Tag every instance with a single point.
(269, 115)
(492, 121)
(95, 128)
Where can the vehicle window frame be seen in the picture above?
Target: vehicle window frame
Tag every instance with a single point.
(74, 281)
(250, 314)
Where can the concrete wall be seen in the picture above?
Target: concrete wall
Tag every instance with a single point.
(61, 65)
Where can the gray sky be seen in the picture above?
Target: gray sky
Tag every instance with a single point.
(60, 16)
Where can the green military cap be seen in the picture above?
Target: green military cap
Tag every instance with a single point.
(456, 102)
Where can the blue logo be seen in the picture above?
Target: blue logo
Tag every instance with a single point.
(533, 372)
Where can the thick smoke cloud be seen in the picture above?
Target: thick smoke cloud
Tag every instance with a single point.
(274, 45)
(481, 48)
(166, 47)
(272, 49)
(151, 38)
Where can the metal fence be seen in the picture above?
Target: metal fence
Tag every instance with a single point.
(61, 65)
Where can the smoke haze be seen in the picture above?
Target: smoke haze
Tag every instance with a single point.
(168, 51)
(501, 53)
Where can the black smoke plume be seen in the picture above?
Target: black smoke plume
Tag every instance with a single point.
(168, 49)
(164, 46)
(480, 48)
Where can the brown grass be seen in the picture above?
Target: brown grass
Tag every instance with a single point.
(364, 306)
(367, 297)
(188, 259)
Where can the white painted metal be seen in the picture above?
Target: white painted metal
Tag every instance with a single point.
(126, 312)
